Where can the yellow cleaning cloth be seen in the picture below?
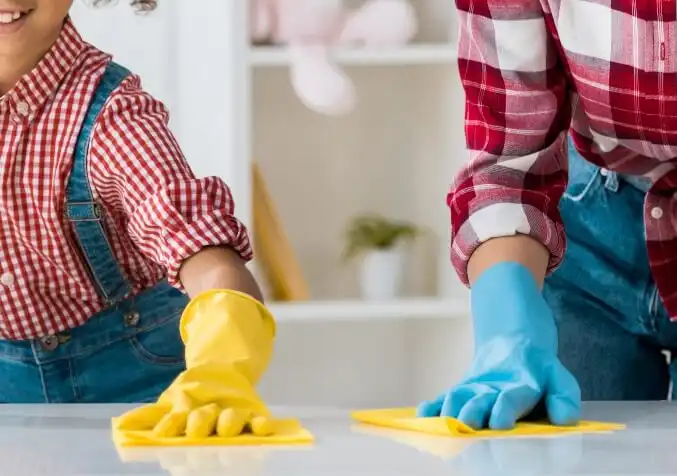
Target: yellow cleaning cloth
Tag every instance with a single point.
(287, 432)
(229, 338)
(405, 419)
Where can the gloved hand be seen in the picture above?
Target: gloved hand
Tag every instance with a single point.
(229, 341)
(515, 366)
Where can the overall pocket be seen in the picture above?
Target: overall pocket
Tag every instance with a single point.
(583, 208)
(136, 368)
(587, 202)
(585, 178)
(604, 213)
(160, 343)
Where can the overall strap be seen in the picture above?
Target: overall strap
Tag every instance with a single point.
(82, 211)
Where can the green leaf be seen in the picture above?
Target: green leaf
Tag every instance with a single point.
(374, 232)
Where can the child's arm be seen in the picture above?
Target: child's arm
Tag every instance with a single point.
(184, 223)
(217, 268)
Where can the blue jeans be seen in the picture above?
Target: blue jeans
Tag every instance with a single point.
(613, 328)
(118, 356)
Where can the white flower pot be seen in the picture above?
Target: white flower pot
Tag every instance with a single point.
(381, 274)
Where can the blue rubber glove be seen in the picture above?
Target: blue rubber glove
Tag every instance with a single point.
(515, 367)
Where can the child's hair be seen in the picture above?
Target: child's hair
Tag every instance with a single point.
(141, 6)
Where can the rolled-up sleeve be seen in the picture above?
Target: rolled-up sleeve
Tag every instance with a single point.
(136, 163)
(517, 114)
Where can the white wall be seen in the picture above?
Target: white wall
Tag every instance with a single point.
(145, 44)
(406, 132)
(364, 364)
(185, 53)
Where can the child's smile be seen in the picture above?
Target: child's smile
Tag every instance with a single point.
(12, 20)
(28, 28)
(36, 20)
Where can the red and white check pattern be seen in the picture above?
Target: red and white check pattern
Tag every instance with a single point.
(532, 68)
(157, 212)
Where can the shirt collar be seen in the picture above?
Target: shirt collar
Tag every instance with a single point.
(39, 85)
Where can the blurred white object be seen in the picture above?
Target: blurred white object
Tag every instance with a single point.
(313, 28)
(319, 82)
(381, 274)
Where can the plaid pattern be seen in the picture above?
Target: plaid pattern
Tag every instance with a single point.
(157, 213)
(531, 69)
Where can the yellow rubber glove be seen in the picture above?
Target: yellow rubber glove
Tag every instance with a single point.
(229, 342)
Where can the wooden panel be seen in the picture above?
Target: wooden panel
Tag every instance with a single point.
(274, 251)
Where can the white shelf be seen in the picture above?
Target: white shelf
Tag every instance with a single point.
(414, 54)
(358, 310)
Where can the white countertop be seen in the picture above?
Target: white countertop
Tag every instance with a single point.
(62, 440)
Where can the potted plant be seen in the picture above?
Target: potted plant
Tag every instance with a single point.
(377, 240)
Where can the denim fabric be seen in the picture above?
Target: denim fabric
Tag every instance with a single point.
(128, 353)
(613, 328)
(82, 211)
(124, 355)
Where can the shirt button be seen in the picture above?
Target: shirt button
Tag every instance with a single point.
(657, 213)
(7, 279)
(22, 108)
(604, 172)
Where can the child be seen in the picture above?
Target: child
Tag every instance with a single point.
(103, 226)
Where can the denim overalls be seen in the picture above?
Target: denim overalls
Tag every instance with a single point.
(128, 353)
(613, 328)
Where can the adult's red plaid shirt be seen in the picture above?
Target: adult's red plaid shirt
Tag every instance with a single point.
(533, 68)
